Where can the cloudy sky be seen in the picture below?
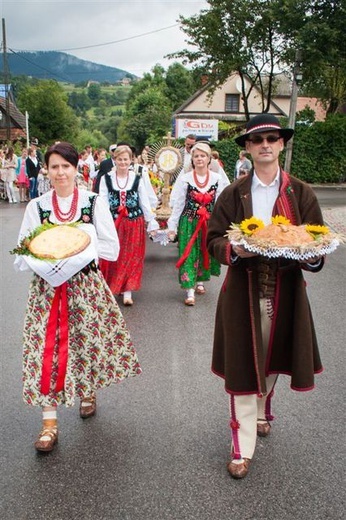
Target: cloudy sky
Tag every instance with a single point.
(130, 35)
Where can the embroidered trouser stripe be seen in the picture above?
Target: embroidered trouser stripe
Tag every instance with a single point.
(243, 424)
(245, 410)
(264, 403)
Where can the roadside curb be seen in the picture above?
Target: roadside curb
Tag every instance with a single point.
(335, 219)
(341, 186)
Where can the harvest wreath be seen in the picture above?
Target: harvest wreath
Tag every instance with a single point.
(283, 239)
(53, 242)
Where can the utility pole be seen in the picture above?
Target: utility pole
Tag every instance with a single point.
(297, 78)
(27, 128)
(6, 82)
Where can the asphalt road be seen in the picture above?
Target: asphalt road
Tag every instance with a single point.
(331, 197)
(158, 446)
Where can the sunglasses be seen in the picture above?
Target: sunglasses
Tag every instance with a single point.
(258, 139)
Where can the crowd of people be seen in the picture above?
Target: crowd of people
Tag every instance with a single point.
(28, 172)
(80, 343)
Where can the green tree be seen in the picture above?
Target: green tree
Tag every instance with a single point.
(50, 117)
(151, 102)
(147, 118)
(154, 79)
(94, 137)
(258, 38)
(94, 93)
(109, 127)
(101, 109)
(180, 85)
(119, 97)
(79, 101)
(237, 36)
(317, 28)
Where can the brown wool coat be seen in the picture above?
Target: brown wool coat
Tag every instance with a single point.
(238, 351)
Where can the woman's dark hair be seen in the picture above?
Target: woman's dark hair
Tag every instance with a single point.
(10, 153)
(66, 150)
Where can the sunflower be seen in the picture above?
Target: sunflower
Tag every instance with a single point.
(316, 230)
(280, 219)
(249, 225)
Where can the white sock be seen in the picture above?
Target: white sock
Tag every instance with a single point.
(85, 402)
(190, 293)
(50, 414)
(127, 295)
(237, 461)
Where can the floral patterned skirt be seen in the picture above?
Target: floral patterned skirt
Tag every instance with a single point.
(126, 273)
(100, 351)
(192, 270)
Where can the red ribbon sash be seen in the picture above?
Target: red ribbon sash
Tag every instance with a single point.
(57, 332)
(204, 216)
(122, 210)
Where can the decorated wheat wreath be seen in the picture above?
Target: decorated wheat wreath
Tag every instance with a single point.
(54, 242)
(283, 239)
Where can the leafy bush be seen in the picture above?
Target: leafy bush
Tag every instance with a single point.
(319, 151)
(229, 154)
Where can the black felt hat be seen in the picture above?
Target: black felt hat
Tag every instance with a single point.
(264, 123)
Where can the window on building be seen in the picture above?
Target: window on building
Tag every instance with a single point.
(232, 103)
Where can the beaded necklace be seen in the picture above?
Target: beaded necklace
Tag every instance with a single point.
(71, 213)
(198, 183)
(125, 184)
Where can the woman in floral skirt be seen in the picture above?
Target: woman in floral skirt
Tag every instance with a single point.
(195, 194)
(75, 337)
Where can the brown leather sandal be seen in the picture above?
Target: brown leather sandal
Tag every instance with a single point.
(88, 409)
(239, 470)
(263, 429)
(47, 444)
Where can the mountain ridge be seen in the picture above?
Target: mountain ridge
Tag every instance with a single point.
(61, 67)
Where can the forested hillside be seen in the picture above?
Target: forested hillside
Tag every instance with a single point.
(61, 67)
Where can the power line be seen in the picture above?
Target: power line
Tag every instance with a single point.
(39, 66)
(17, 51)
(108, 43)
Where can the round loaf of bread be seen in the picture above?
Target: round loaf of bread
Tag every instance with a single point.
(283, 235)
(59, 242)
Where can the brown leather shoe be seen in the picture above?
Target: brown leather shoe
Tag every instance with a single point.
(263, 429)
(89, 408)
(47, 438)
(239, 470)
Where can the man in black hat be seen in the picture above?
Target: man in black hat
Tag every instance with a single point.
(263, 324)
(34, 144)
(105, 166)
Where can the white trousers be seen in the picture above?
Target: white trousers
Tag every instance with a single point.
(10, 191)
(246, 410)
